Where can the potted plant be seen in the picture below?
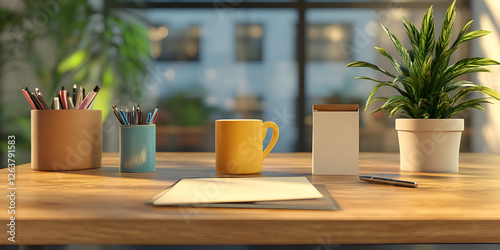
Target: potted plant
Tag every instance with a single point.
(429, 93)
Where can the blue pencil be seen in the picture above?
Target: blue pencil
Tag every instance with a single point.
(154, 115)
(127, 116)
(148, 120)
(122, 117)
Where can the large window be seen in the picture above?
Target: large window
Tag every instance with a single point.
(172, 43)
(249, 42)
(245, 68)
(329, 42)
(271, 60)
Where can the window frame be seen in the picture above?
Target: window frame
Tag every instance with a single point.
(301, 6)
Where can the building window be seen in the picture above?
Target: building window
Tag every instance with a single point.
(249, 42)
(328, 42)
(176, 44)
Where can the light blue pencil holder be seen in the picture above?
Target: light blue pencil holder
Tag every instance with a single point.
(137, 148)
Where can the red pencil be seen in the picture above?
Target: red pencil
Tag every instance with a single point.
(156, 116)
(27, 96)
(64, 97)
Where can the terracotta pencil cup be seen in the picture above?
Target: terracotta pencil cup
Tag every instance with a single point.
(64, 140)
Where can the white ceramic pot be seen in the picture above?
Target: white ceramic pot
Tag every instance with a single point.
(429, 145)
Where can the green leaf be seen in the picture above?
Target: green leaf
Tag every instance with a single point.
(396, 109)
(426, 69)
(369, 65)
(399, 47)
(403, 114)
(462, 32)
(449, 76)
(72, 62)
(482, 89)
(375, 100)
(413, 34)
(411, 53)
(473, 35)
(394, 100)
(489, 92)
(374, 91)
(447, 54)
(407, 83)
(394, 104)
(472, 103)
(441, 58)
(458, 84)
(375, 111)
(473, 62)
(444, 38)
(394, 63)
(465, 66)
(368, 78)
(427, 42)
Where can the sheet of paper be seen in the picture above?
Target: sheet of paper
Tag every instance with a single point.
(219, 190)
(325, 203)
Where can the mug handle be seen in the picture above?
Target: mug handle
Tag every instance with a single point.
(274, 139)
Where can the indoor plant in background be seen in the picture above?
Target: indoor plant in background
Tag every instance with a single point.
(82, 41)
(429, 93)
(186, 118)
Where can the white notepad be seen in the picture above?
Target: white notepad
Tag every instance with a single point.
(220, 190)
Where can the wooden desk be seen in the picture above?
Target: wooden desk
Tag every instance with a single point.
(103, 206)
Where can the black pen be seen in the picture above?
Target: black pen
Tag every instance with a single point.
(37, 102)
(42, 99)
(74, 94)
(388, 181)
(115, 110)
(139, 117)
(33, 98)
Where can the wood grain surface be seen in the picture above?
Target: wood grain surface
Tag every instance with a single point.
(104, 206)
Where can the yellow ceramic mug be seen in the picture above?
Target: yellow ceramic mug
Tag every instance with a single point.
(238, 145)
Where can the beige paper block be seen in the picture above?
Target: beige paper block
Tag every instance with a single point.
(335, 140)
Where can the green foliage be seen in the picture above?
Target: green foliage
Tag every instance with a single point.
(187, 110)
(84, 42)
(427, 85)
(66, 42)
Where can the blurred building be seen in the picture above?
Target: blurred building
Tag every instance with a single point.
(243, 63)
(273, 60)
